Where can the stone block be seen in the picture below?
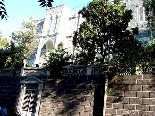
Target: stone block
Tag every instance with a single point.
(112, 99)
(124, 87)
(135, 100)
(121, 112)
(143, 94)
(117, 106)
(116, 93)
(130, 94)
(148, 88)
(123, 100)
(152, 82)
(152, 94)
(110, 111)
(142, 107)
(135, 88)
(124, 112)
(125, 80)
(147, 113)
(152, 108)
(148, 76)
(148, 101)
(129, 107)
(143, 82)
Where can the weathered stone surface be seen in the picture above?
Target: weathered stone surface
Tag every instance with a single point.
(137, 97)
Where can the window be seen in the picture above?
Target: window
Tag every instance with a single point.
(142, 14)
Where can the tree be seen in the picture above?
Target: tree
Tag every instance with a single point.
(150, 15)
(3, 42)
(150, 50)
(16, 56)
(3, 12)
(56, 59)
(27, 36)
(104, 31)
(12, 56)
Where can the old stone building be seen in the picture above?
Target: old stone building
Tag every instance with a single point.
(61, 22)
(58, 26)
(139, 19)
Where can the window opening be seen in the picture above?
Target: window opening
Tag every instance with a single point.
(142, 14)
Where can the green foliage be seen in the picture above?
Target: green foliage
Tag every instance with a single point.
(56, 59)
(109, 90)
(12, 56)
(23, 44)
(3, 42)
(27, 36)
(150, 15)
(105, 32)
(150, 51)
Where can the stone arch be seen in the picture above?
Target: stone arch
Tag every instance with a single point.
(48, 46)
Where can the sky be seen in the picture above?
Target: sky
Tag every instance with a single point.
(18, 10)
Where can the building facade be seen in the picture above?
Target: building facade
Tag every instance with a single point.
(61, 22)
(139, 19)
(59, 25)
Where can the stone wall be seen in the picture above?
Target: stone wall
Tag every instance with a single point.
(74, 94)
(131, 95)
(79, 92)
(10, 86)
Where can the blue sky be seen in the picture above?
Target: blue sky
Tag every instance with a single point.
(19, 9)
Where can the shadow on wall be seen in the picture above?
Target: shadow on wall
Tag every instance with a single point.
(70, 95)
(74, 95)
(10, 87)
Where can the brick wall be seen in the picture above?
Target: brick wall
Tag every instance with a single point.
(132, 95)
(10, 86)
(78, 95)
(79, 92)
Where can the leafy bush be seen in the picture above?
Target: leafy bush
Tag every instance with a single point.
(56, 59)
(12, 56)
